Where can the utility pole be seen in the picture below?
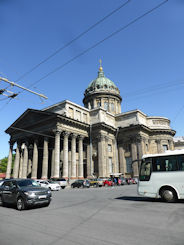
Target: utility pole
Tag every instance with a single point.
(13, 95)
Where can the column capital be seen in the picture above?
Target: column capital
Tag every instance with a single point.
(101, 137)
(81, 137)
(11, 143)
(66, 133)
(74, 135)
(158, 141)
(57, 131)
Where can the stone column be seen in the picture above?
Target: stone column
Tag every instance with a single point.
(57, 155)
(159, 147)
(30, 155)
(65, 155)
(101, 155)
(73, 156)
(122, 160)
(140, 150)
(35, 160)
(171, 145)
(21, 161)
(9, 165)
(52, 163)
(17, 162)
(45, 158)
(107, 157)
(115, 157)
(81, 167)
(25, 161)
(134, 159)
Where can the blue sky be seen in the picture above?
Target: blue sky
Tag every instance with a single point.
(145, 60)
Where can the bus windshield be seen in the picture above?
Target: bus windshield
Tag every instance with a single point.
(145, 170)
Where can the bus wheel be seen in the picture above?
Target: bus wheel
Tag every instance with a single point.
(168, 195)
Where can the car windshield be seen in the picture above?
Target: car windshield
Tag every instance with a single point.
(27, 182)
(52, 182)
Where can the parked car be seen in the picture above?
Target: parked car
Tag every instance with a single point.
(80, 183)
(61, 181)
(53, 186)
(108, 182)
(96, 182)
(1, 182)
(24, 193)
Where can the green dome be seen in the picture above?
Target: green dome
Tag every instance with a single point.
(102, 84)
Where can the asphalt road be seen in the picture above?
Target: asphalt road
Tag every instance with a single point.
(95, 216)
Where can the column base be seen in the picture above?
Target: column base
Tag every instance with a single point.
(90, 177)
(73, 178)
(65, 177)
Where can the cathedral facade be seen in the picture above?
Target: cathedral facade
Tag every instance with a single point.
(75, 142)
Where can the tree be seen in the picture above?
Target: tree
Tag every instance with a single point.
(4, 162)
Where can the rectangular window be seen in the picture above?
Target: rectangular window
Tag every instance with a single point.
(112, 106)
(85, 118)
(106, 105)
(145, 170)
(167, 163)
(109, 148)
(181, 162)
(70, 112)
(110, 165)
(78, 115)
(165, 147)
(98, 103)
(128, 164)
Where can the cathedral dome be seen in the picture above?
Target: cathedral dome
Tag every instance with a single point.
(102, 92)
(101, 84)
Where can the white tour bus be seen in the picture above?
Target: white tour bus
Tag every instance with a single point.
(162, 175)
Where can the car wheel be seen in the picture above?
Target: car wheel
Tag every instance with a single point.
(20, 204)
(168, 195)
(1, 201)
(62, 187)
(47, 204)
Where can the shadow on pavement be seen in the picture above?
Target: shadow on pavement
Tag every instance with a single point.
(138, 199)
(143, 199)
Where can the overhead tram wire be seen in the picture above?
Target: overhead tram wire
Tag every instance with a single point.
(73, 40)
(1, 108)
(98, 43)
(153, 89)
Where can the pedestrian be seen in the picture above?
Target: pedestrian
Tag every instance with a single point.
(119, 181)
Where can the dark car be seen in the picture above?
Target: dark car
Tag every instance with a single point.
(80, 183)
(23, 193)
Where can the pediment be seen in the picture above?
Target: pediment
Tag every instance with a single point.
(29, 118)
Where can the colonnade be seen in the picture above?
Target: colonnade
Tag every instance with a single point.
(27, 157)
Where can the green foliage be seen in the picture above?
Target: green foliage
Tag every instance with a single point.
(3, 163)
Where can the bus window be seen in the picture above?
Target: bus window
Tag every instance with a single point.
(181, 162)
(145, 170)
(168, 163)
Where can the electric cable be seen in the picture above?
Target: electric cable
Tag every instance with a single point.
(1, 108)
(73, 40)
(98, 43)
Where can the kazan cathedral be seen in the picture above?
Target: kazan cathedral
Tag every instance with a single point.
(75, 142)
